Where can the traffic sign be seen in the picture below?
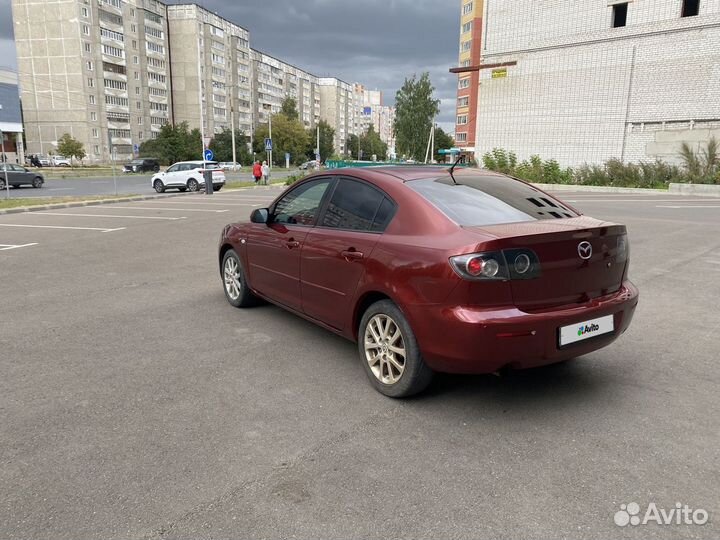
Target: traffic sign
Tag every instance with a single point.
(268, 144)
(209, 155)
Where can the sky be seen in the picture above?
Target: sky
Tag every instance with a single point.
(374, 42)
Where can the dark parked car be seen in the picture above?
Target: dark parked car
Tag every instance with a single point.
(17, 176)
(430, 270)
(142, 165)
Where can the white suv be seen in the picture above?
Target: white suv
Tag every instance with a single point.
(60, 161)
(188, 176)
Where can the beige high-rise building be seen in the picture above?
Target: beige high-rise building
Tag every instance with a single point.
(97, 70)
(337, 108)
(370, 111)
(208, 48)
(274, 80)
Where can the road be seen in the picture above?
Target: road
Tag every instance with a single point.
(136, 403)
(126, 184)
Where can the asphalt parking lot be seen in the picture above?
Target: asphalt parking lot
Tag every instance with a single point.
(136, 403)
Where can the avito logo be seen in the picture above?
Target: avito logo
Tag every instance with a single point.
(588, 328)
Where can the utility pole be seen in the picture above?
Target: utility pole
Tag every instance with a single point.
(317, 152)
(232, 129)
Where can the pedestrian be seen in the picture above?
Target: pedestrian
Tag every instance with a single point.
(257, 171)
(4, 157)
(265, 172)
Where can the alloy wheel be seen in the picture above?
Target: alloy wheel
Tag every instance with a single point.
(193, 185)
(231, 275)
(385, 349)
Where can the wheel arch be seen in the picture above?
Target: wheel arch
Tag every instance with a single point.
(367, 299)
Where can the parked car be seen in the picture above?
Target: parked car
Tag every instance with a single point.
(60, 161)
(231, 166)
(431, 270)
(313, 164)
(142, 165)
(17, 176)
(188, 176)
(44, 160)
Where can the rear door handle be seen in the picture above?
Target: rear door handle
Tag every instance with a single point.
(292, 244)
(352, 255)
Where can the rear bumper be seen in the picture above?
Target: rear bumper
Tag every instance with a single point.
(473, 339)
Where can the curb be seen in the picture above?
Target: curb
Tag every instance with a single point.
(696, 190)
(599, 189)
(77, 204)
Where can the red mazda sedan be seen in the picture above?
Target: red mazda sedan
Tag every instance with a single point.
(431, 270)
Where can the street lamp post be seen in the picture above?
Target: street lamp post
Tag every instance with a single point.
(232, 131)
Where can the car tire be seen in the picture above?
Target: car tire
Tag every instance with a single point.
(37, 182)
(393, 373)
(217, 188)
(193, 185)
(2, 183)
(159, 186)
(235, 285)
(182, 189)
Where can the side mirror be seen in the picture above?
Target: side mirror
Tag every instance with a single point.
(259, 215)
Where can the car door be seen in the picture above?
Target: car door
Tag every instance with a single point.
(175, 175)
(273, 249)
(336, 252)
(22, 175)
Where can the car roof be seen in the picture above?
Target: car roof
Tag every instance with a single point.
(407, 173)
(199, 162)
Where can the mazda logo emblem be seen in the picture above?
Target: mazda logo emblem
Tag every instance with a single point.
(585, 250)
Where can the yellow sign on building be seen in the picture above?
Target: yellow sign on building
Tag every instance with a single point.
(499, 73)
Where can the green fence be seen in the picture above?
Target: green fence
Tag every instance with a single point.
(341, 164)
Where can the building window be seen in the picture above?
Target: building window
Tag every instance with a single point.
(138, 105)
(464, 83)
(134, 44)
(466, 46)
(84, 12)
(461, 137)
(89, 65)
(136, 60)
(462, 119)
(467, 8)
(86, 29)
(466, 27)
(140, 120)
(690, 8)
(93, 116)
(97, 149)
(133, 28)
(91, 83)
(92, 99)
(95, 133)
(463, 101)
(619, 15)
(87, 47)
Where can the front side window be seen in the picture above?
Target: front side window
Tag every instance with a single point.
(302, 205)
(353, 206)
(480, 200)
(174, 168)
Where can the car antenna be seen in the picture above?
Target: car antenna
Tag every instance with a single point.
(452, 169)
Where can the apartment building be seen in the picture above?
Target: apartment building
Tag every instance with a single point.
(370, 111)
(337, 108)
(587, 81)
(471, 18)
(274, 80)
(97, 70)
(211, 70)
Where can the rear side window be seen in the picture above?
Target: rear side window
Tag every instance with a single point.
(356, 206)
(489, 200)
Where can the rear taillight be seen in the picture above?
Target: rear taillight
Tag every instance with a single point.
(497, 265)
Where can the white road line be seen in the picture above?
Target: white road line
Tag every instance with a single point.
(640, 200)
(199, 203)
(6, 247)
(59, 227)
(107, 216)
(689, 206)
(167, 209)
(712, 262)
(100, 181)
(62, 189)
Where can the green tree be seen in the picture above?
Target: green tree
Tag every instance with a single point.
(174, 143)
(327, 144)
(370, 145)
(442, 141)
(289, 108)
(70, 147)
(415, 109)
(288, 136)
(703, 165)
(221, 145)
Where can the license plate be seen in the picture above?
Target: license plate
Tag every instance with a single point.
(586, 330)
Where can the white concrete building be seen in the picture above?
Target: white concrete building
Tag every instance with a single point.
(96, 70)
(337, 109)
(370, 111)
(591, 80)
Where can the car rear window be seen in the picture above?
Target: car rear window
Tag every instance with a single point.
(489, 200)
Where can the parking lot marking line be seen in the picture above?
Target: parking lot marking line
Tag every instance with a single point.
(60, 227)
(100, 181)
(7, 247)
(61, 189)
(689, 206)
(168, 209)
(163, 218)
(199, 203)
